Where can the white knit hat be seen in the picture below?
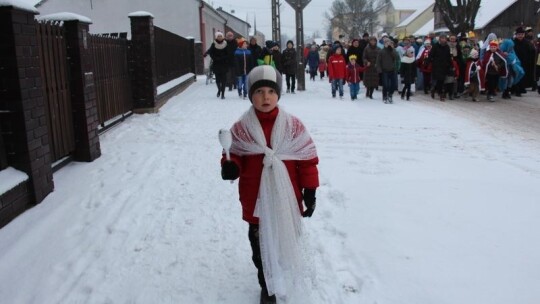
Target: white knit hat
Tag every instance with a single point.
(264, 76)
(218, 33)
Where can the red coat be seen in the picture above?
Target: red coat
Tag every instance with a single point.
(353, 72)
(474, 69)
(303, 173)
(337, 68)
(423, 62)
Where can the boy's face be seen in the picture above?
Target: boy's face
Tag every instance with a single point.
(264, 99)
(493, 48)
(352, 60)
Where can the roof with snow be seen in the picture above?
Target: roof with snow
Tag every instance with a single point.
(424, 30)
(401, 5)
(415, 15)
(489, 10)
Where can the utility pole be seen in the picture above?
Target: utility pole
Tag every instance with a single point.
(276, 22)
(298, 6)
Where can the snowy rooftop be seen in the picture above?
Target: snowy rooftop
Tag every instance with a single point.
(411, 5)
(415, 15)
(20, 4)
(426, 28)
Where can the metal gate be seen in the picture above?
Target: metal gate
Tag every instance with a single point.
(54, 74)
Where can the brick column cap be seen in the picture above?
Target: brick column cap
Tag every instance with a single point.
(66, 16)
(140, 14)
(20, 5)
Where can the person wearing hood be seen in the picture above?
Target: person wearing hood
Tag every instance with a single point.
(220, 62)
(289, 64)
(371, 75)
(515, 69)
(270, 55)
(407, 72)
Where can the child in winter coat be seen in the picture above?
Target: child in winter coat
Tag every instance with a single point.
(474, 78)
(494, 66)
(323, 66)
(354, 72)
(424, 64)
(407, 72)
(337, 71)
(313, 62)
(244, 63)
(276, 160)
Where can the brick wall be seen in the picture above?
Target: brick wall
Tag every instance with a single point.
(14, 202)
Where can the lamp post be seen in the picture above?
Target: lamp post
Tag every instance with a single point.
(298, 6)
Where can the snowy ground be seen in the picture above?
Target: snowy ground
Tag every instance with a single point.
(420, 202)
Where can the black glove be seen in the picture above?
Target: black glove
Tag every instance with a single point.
(309, 201)
(229, 170)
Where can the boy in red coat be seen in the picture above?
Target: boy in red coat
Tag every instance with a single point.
(337, 71)
(474, 78)
(276, 160)
(354, 72)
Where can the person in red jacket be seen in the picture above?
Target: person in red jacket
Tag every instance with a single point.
(275, 160)
(494, 66)
(354, 72)
(337, 71)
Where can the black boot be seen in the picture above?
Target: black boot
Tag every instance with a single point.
(266, 299)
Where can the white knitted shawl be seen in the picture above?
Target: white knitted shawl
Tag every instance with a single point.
(283, 250)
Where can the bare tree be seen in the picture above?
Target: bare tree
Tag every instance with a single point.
(459, 18)
(353, 17)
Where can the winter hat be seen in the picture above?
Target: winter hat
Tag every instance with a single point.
(218, 33)
(290, 41)
(270, 44)
(365, 35)
(520, 30)
(474, 54)
(352, 57)
(264, 76)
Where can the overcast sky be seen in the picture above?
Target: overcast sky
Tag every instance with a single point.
(313, 15)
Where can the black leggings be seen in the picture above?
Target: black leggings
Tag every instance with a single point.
(221, 79)
(253, 235)
(288, 79)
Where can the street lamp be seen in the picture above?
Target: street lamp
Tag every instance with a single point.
(298, 6)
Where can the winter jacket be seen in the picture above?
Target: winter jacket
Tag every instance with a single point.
(256, 51)
(243, 61)
(441, 60)
(313, 60)
(386, 61)
(337, 69)
(303, 173)
(354, 51)
(494, 64)
(289, 62)
(354, 72)
(220, 56)
(473, 73)
(407, 70)
(371, 75)
(526, 53)
(424, 62)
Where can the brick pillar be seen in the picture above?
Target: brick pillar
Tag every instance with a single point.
(143, 63)
(22, 109)
(83, 91)
(199, 59)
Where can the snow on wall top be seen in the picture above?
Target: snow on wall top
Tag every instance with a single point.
(20, 4)
(140, 14)
(65, 16)
(9, 177)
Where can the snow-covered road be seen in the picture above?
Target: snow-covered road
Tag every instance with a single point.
(420, 202)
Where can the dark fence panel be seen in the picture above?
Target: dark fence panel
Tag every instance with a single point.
(54, 73)
(174, 55)
(3, 159)
(111, 75)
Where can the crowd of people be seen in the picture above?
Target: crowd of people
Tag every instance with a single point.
(444, 66)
